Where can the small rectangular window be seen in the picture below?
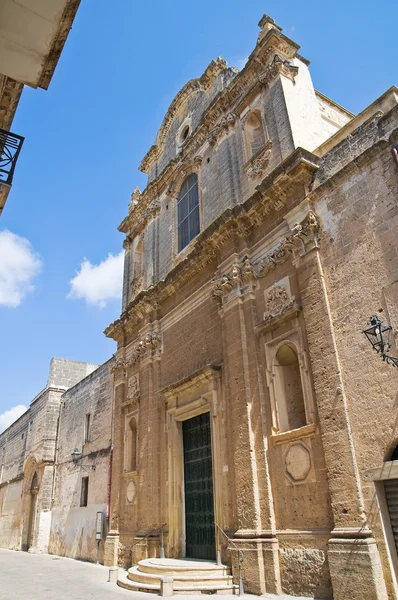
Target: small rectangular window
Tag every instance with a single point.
(84, 492)
(87, 428)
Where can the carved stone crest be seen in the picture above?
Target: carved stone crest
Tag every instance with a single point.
(133, 387)
(277, 302)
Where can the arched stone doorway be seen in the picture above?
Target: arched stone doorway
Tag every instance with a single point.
(34, 490)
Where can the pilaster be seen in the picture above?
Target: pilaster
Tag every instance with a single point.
(353, 556)
(254, 509)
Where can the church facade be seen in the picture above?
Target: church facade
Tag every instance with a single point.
(248, 407)
(244, 416)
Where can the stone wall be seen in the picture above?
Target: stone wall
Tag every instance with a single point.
(73, 526)
(27, 454)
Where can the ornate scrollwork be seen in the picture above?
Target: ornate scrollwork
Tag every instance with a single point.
(279, 66)
(135, 199)
(223, 126)
(301, 239)
(148, 345)
(277, 302)
(240, 279)
(259, 163)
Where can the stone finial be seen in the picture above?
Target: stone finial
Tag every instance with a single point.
(135, 199)
(266, 24)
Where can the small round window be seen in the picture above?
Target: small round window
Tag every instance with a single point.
(184, 133)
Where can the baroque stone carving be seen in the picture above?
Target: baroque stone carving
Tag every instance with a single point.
(259, 163)
(148, 345)
(298, 242)
(135, 199)
(279, 66)
(203, 83)
(223, 126)
(277, 302)
(133, 387)
(242, 278)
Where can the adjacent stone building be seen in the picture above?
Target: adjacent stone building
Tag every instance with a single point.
(247, 400)
(82, 481)
(55, 464)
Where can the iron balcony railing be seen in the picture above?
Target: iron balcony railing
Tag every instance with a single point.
(10, 147)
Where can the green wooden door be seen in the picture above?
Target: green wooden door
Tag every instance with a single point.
(198, 484)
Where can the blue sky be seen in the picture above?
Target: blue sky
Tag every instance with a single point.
(84, 138)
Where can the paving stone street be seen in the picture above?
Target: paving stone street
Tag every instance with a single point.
(25, 576)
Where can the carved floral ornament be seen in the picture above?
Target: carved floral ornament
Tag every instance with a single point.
(149, 345)
(242, 277)
(257, 166)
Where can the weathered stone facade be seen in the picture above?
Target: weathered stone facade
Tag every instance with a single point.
(39, 443)
(258, 321)
(85, 425)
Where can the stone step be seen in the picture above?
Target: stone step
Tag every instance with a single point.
(202, 578)
(186, 567)
(124, 582)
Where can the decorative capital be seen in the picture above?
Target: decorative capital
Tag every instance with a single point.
(300, 240)
(303, 236)
(241, 279)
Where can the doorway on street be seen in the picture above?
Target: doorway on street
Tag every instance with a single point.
(198, 488)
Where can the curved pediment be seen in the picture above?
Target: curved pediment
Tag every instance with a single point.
(201, 84)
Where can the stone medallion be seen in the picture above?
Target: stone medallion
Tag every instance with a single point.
(131, 492)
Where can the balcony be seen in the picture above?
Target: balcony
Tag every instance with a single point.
(10, 147)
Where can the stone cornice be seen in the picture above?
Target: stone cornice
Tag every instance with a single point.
(296, 171)
(269, 59)
(58, 42)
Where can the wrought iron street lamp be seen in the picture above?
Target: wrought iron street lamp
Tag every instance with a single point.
(379, 336)
(76, 455)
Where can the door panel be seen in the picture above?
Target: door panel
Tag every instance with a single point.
(198, 486)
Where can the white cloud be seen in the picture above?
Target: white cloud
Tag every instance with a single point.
(98, 284)
(19, 265)
(9, 416)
